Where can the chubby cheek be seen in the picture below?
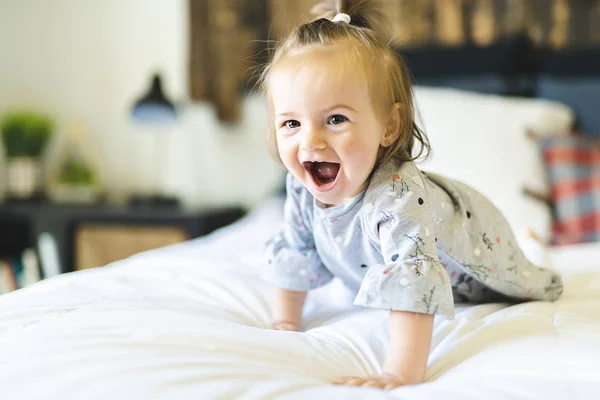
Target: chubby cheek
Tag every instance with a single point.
(287, 153)
(360, 159)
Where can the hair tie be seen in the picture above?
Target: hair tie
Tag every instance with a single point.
(341, 17)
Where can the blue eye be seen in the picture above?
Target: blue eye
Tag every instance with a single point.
(291, 124)
(337, 119)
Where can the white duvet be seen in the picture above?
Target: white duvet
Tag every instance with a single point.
(190, 322)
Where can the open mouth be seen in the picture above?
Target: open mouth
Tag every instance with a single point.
(323, 173)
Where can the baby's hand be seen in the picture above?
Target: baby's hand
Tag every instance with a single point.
(384, 381)
(286, 326)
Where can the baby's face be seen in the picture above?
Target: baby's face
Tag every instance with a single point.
(328, 132)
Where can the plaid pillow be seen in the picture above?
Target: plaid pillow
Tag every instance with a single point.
(573, 168)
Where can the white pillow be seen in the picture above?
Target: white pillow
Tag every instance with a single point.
(481, 140)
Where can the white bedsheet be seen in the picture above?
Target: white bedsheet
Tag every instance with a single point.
(189, 322)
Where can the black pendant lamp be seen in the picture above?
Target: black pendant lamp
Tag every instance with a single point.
(155, 110)
(154, 107)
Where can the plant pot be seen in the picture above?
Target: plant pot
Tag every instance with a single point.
(73, 194)
(24, 177)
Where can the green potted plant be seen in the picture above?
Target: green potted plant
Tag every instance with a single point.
(76, 182)
(25, 137)
(76, 173)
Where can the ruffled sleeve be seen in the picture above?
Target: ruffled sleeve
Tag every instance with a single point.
(293, 261)
(399, 219)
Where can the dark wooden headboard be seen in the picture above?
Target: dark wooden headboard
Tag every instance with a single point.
(230, 38)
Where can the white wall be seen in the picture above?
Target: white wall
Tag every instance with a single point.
(90, 59)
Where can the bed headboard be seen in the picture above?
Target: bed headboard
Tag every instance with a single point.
(486, 45)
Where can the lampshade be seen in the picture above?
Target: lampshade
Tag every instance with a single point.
(154, 107)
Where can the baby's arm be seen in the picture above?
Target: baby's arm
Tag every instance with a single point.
(293, 261)
(287, 309)
(411, 277)
(410, 342)
(406, 362)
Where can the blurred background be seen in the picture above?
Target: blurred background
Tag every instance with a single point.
(121, 114)
(85, 64)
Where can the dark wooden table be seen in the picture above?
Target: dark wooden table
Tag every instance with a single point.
(22, 224)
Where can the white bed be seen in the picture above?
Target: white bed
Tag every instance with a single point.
(190, 321)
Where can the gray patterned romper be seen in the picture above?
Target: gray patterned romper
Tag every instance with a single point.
(411, 241)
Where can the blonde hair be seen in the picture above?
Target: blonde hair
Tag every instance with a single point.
(390, 80)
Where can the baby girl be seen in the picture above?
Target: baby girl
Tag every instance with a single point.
(357, 206)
